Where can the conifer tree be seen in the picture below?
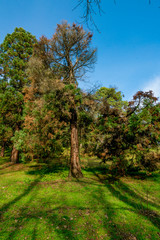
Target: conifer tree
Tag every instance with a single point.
(15, 52)
(68, 55)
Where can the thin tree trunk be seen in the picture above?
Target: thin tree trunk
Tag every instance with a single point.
(15, 155)
(2, 150)
(75, 168)
(15, 152)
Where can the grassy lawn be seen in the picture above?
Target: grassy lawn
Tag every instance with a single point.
(36, 204)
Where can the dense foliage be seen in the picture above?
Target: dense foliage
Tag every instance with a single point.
(15, 52)
(128, 135)
(46, 117)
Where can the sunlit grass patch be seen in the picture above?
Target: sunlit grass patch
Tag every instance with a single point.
(37, 202)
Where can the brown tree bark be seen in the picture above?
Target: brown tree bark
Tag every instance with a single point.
(75, 168)
(2, 150)
(15, 155)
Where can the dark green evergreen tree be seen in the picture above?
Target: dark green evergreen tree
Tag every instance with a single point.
(15, 52)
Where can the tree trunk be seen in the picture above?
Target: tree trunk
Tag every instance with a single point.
(2, 150)
(75, 168)
(14, 155)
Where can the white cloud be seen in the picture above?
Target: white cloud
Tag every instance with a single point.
(154, 85)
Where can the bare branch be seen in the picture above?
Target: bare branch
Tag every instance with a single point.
(91, 8)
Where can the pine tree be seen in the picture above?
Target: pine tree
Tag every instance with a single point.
(15, 52)
(68, 55)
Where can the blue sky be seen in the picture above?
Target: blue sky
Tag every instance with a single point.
(128, 46)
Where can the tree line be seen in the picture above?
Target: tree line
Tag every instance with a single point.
(44, 114)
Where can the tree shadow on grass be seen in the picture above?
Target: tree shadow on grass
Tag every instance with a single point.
(45, 169)
(131, 200)
(6, 165)
(133, 194)
(112, 229)
(108, 179)
(5, 207)
(55, 221)
(12, 168)
(34, 234)
(27, 214)
(136, 203)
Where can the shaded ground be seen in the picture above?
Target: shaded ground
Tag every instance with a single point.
(40, 203)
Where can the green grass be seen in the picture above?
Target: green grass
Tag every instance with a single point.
(38, 203)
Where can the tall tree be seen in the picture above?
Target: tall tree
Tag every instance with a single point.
(109, 124)
(8, 116)
(42, 135)
(127, 137)
(143, 133)
(15, 52)
(69, 55)
(5, 128)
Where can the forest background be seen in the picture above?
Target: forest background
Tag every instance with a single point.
(44, 113)
(79, 160)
